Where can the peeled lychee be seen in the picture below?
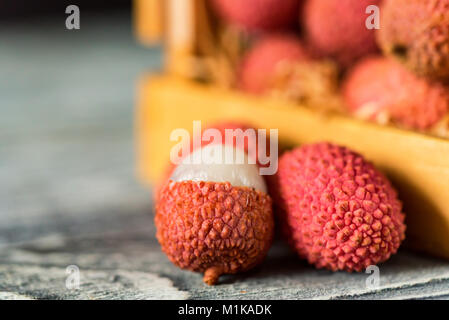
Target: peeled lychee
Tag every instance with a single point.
(416, 32)
(337, 29)
(337, 210)
(265, 60)
(239, 134)
(382, 90)
(259, 14)
(215, 216)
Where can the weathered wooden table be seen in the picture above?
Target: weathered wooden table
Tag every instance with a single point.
(69, 196)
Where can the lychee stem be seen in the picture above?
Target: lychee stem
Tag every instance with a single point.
(212, 274)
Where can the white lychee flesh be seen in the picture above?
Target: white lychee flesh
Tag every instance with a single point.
(220, 163)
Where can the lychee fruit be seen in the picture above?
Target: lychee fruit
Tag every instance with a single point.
(257, 15)
(266, 59)
(337, 210)
(382, 90)
(416, 32)
(215, 216)
(337, 29)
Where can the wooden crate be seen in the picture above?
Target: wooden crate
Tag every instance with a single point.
(417, 164)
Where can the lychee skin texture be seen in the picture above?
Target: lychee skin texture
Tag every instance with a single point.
(338, 211)
(337, 29)
(416, 32)
(260, 64)
(257, 15)
(214, 228)
(384, 86)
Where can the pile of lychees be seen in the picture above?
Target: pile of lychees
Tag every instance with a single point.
(386, 60)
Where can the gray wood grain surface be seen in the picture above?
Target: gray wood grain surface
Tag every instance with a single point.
(69, 195)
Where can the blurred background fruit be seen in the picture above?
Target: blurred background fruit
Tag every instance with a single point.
(259, 15)
(381, 89)
(416, 33)
(266, 58)
(337, 29)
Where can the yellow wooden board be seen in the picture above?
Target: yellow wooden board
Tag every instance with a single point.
(417, 164)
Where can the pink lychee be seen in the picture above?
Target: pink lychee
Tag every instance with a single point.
(382, 90)
(259, 14)
(337, 29)
(337, 210)
(261, 64)
(416, 33)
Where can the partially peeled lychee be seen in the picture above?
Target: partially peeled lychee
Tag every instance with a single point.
(215, 216)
